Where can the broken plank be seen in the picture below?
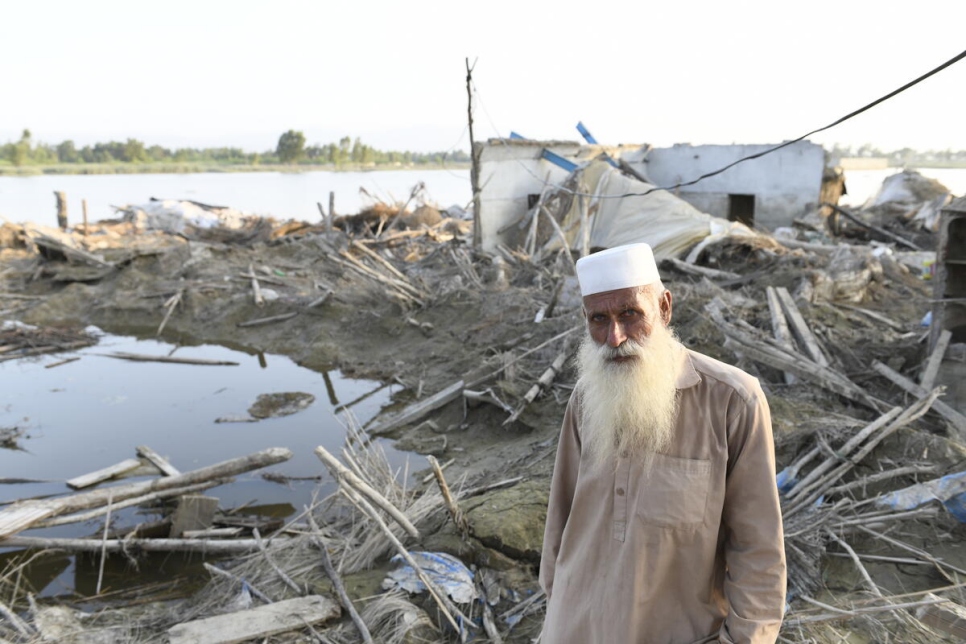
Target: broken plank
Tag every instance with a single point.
(779, 327)
(800, 327)
(895, 326)
(87, 480)
(256, 623)
(928, 378)
(157, 460)
(417, 410)
(946, 616)
(955, 419)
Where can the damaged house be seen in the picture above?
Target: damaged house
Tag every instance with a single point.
(765, 193)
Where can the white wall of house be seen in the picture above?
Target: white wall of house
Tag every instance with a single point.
(786, 183)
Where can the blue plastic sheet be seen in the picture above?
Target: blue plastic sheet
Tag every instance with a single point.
(950, 490)
(446, 571)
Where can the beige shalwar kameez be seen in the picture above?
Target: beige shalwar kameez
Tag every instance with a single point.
(689, 551)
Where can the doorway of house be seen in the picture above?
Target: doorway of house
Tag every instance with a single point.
(741, 208)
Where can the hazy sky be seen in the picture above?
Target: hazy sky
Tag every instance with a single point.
(203, 73)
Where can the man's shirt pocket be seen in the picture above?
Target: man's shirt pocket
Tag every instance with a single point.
(674, 492)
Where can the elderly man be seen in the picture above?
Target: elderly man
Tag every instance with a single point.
(664, 524)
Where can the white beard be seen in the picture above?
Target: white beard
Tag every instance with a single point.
(630, 407)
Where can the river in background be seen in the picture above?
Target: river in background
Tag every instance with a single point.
(295, 195)
(283, 195)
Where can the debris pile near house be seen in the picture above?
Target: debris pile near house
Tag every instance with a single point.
(870, 455)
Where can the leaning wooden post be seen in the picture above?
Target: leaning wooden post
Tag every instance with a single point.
(61, 209)
(84, 208)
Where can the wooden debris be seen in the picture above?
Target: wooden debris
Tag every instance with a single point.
(194, 512)
(26, 353)
(274, 566)
(799, 327)
(52, 248)
(347, 478)
(319, 301)
(211, 533)
(767, 351)
(255, 623)
(99, 476)
(205, 546)
(779, 327)
(137, 357)
(880, 231)
(23, 514)
(892, 324)
(417, 410)
(131, 502)
(62, 362)
(337, 584)
(487, 396)
(269, 320)
(813, 486)
(944, 615)
(454, 511)
(700, 271)
(218, 572)
(256, 289)
(929, 374)
(545, 380)
(170, 305)
(157, 460)
(955, 419)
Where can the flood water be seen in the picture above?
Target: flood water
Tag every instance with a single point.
(283, 195)
(88, 414)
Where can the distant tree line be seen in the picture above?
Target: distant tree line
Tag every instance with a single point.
(905, 157)
(291, 149)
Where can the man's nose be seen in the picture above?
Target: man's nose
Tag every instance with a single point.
(615, 335)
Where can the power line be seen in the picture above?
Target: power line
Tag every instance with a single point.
(757, 155)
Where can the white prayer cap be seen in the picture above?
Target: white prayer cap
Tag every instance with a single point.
(614, 268)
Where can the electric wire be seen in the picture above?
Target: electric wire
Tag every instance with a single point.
(757, 155)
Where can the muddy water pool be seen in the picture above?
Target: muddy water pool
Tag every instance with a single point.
(82, 416)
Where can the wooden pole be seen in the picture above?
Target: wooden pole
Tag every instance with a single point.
(474, 156)
(331, 216)
(61, 209)
(84, 208)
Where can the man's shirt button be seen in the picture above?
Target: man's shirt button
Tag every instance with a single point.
(620, 491)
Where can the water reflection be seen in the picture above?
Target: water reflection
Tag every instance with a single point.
(94, 412)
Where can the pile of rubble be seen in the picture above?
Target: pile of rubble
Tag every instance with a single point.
(828, 316)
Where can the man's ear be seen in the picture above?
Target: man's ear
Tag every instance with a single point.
(665, 304)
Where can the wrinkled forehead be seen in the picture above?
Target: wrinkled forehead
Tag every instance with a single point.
(638, 297)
